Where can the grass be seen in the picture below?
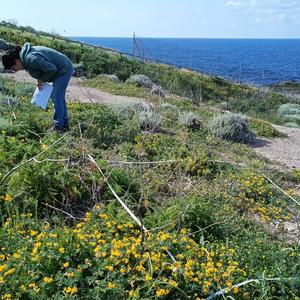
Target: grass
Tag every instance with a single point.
(204, 200)
(117, 88)
(202, 89)
(63, 234)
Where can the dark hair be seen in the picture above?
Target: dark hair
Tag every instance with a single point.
(10, 56)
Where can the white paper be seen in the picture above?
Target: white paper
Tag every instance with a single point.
(41, 97)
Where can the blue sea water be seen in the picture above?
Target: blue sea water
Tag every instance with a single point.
(253, 61)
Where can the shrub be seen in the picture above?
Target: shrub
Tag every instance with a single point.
(157, 90)
(149, 120)
(104, 257)
(110, 77)
(140, 80)
(130, 108)
(5, 124)
(190, 120)
(79, 70)
(263, 128)
(8, 102)
(231, 127)
(289, 109)
(293, 118)
(292, 125)
(23, 89)
(168, 106)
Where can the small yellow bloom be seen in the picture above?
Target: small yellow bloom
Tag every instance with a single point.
(71, 290)
(109, 268)
(3, 267)
(61, 250)
(48, 280)
(111, 285)
(70, 274)
(9, 272)
(66, 264)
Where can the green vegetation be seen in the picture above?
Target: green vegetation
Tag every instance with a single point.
(214, 218)
(231, 127)
(200, 88)
(64, 235)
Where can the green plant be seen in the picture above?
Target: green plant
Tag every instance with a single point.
(232, 127)
(190, 120)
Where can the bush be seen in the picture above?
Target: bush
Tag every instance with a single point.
(190, 120)
(265, 129)
(231, 127)
(168, 106)
(110, 77)
(130, 108)
(140, 80)
(5, 124)
(289, 109)
(292, 125)
(149, 119)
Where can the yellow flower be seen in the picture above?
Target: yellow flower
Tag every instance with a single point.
(33, 232)
(32, 285)
(48, 280)
(71, 290)
(3, 267)
(148, 277)
(66, 264)
(70, 274)
(162, 292)
(9, 272)
(8, 198)
(111, 285)
(6, 296)
(61, 250)
(109, 268)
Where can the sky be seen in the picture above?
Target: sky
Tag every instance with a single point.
(159, 18)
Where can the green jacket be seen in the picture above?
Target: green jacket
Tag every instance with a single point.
(44, 63)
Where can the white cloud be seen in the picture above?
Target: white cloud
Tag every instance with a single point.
(274, 11)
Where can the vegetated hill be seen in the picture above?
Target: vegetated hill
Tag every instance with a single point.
(200, 88)
(215, 217)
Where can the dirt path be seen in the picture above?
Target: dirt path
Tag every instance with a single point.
(283, 150)
(76, 91)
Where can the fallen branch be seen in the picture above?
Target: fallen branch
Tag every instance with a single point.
(141, 162)
(60, 210)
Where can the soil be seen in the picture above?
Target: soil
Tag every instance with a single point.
(286, 151)
(76, 91)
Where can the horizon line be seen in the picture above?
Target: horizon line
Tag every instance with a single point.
(210, 38)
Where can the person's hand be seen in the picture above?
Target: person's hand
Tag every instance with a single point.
(40, 84)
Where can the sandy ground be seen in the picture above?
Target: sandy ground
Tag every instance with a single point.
(285, 151)
(75, 90)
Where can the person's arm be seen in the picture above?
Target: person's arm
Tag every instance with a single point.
(40, 84)
(48, 70)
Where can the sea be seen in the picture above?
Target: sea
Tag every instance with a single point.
(258, 62)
